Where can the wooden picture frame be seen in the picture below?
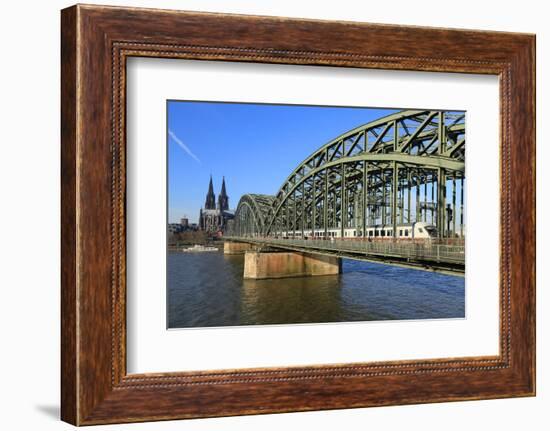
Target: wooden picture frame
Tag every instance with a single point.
(95, 43)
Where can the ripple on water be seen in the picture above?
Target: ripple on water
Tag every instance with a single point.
(207, 289)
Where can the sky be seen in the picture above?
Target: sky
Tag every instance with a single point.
(255, 146)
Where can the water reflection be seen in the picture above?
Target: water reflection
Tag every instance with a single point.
(207, 289)
(296, 300)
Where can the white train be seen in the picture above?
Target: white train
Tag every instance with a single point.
(417, 230)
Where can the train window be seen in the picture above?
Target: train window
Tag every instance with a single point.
(376, 232)
(406, 232)
(370, 232)
(400, 232)
(420, 230)
(390, 232)
(431, 230)
(354, 233)
(382, 232)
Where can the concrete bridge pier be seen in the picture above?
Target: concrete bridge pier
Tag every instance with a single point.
(230, 247)
(281, 264)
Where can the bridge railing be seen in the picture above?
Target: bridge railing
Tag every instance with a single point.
(401, 250)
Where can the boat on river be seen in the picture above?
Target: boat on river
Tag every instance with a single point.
(198, 248)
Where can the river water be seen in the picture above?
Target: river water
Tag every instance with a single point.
(208, 289)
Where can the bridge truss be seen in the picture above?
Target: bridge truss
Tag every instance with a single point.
(402, 168)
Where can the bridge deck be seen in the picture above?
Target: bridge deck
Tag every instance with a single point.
(437, 257)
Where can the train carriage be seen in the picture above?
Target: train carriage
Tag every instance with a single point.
(408, 231)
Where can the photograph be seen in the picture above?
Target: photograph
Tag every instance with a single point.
(303, 214)
(252, 215)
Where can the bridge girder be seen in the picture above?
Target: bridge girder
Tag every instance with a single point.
(362, 173)
(251, 213)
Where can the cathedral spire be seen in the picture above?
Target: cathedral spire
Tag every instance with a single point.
(210, 203)
(223, 199)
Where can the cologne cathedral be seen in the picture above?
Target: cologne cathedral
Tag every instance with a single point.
(214, 218)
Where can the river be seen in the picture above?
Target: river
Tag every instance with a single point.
(208, 290)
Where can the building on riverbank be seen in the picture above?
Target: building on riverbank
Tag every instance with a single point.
(213, 218)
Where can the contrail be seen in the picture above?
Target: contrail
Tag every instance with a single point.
(183, 146)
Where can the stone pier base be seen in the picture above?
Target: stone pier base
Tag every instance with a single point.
(258, 265)
(236, 247)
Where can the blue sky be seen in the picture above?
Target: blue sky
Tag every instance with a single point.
(255, 146)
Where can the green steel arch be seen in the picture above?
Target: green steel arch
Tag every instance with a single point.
(368, 176)
(251, 214)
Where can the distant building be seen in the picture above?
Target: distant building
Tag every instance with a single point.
(174, 228)
(213, 219)
(184, 222)
(182, 226)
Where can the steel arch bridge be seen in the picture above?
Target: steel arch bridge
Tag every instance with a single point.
(401, 168)
(251, 215)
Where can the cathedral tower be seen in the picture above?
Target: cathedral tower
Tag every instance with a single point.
(210, 203)
(223, 199)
